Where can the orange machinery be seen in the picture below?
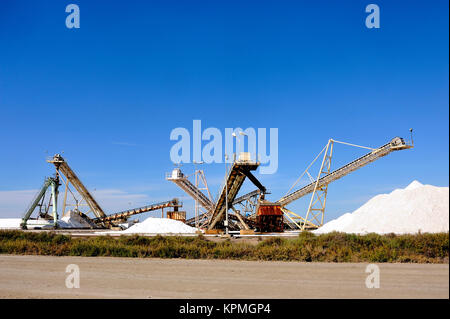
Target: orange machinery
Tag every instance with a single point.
(269, 217)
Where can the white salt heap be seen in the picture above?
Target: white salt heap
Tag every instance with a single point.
(160, 226)
(10, 223)
(14, 223)
(69, 220)
(416, 208)
(72, 220)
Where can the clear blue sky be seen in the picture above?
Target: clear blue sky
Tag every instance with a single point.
(109, 94)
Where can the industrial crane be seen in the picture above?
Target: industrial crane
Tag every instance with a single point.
(269, 215)
(183, 182)
(63, 169)
(65, 174)
(235, 178)
(38, 201)
(319, 187)
(203, 202)
(214, 215)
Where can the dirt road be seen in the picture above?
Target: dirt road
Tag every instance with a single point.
(100, 277)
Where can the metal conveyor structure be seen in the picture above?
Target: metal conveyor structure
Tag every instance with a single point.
(175, 203)
(235, 178)
(101, 219)
(181, 180)
(53, 183)
(62, 168)
(315, 213)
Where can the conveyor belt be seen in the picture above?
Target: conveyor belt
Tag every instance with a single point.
(125, 214)
(203, 217)
(178, 178)
(62, 167)
(242, 198)
(235, 179)
(394, 145)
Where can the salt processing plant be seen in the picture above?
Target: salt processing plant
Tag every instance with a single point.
(232, 213)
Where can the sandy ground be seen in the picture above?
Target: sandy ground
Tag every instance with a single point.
(103, 277)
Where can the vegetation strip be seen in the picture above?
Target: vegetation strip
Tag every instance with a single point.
(332, 247)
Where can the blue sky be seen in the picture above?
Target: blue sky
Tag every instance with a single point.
(109, 94)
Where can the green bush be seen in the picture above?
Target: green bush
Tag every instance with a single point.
(331, 247)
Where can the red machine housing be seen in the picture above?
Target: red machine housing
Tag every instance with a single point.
(269, 218)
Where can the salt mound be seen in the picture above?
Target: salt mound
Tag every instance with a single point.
(160, 226)
(70, 220)
(417, 207)
(10, 223)
(73, 220)
(414, 185)
(14, 223)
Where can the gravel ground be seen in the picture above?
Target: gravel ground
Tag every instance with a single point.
(107, 277)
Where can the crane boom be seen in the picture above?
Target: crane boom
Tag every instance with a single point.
(64, 168)
(395, 144)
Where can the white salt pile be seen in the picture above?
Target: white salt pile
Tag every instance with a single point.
(14, 223)
(69, 220)
(10, 223)
(72, 220)
(416, 208)
(160, 226)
